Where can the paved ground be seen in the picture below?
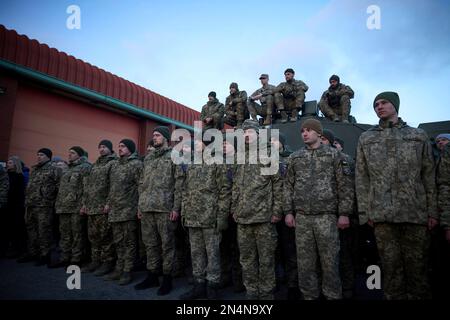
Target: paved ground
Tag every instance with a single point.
(22, 281)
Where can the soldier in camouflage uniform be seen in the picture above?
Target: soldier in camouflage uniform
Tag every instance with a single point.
(95, 193)
(266, 97)
(68, 206)
(335, 102)
(205, 213)
(159, 208)
(443, 182)
(122, 208)
(348, 237)
(318, 190)
(235, 106)
(256, 207)
(212, 113)
(293, 92)
(396, 192)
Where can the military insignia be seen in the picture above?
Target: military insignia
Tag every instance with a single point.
(346, 169)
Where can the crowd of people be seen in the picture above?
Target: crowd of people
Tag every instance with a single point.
(228, 224)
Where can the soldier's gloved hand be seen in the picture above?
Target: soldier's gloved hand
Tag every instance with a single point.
(290, 220)
(343, 222)
(222, 224)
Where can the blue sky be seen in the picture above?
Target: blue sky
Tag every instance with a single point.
(185, 49)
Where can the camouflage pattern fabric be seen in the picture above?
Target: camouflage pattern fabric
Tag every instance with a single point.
(124, 235)
(293, 96)
(39, 224)
(72, 241)
(101, 239)
(43, 185)
(236, 108)
(215, 110)
(335, 102)
(443, 184)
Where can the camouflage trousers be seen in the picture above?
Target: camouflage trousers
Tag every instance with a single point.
(403, 249)
(72, 242)
(289, 106)
(317, 241)
(38, 221)
(159, 240)
(264, 109)
(205, 254)
(341, 111)
(257, 243)
(229, 255)
(125, 239)
(286, 240)
(101, 239)
(349, 252)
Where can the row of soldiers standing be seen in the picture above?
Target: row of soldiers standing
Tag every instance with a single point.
(287, 98)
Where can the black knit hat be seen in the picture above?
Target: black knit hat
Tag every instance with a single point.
(341, 142)
(79, 150)
(335, 77)
(290, 70)
(129, 144)
(46, 151)
(164, 131)
(329, 135)
(212, 94)
(234, 85)
(107, 144)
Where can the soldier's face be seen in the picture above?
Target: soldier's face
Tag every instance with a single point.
(288, 76)
(123, 150)
(325, 141)
(384, 109)
(158, 139)
(103, 150)
(441, 143)
(264, 81)
(337, 145)
(210, 98)
(310, 136)
(228, 148)
(232, 90)
(73, 156)
(250, 136)
(150, 149)
(42, 157)
(333, 83)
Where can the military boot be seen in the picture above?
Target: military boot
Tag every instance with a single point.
(115, 275)
(284, 117)
(166, 285)
(125, 278)
(150, 282)
(91, 267)
(267, 120)
(104, 269)
(294, 116)
(197, 292)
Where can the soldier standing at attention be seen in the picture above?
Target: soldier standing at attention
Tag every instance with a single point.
(235, 106)
(256, 207)
(121, 207)
(68, 206)
(40, 198)
(396, 192)
(318, 190)
(293, 92)
(96, 190)
(335, 101)
(159, 210)
(212, 113)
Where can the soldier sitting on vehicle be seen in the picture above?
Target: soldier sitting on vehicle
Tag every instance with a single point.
(266, 98)
(335, 101)
(235, 106)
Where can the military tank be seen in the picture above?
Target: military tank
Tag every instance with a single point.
(348, 132)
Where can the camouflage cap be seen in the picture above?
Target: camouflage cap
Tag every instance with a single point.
(250, 124)
(313, 124)
(264, 76)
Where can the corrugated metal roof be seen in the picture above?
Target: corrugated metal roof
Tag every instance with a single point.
(21, 50)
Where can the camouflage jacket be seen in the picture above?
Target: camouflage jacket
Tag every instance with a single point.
(290, 90)
(443, 184)
(4, 187)
(265, 91)
(43, 186)
(213, 109)
(255, 197)
(318, 181)
(332, 96)
(232, 100)
(204, 195)
(395, 177)
(159, 184)
(122, 199)
(70, 193)
(96, 185)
